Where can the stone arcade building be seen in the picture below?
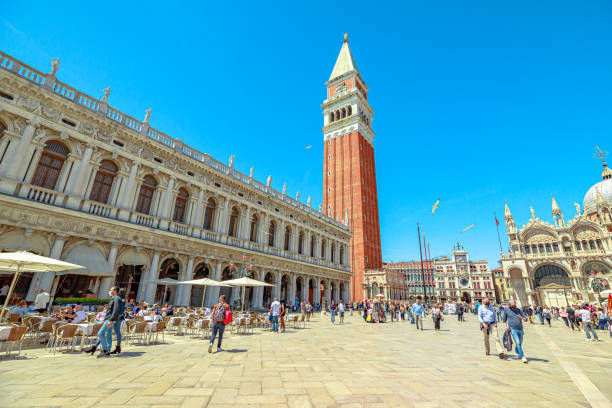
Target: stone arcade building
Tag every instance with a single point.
(86, 183)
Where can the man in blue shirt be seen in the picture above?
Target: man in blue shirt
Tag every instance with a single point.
(488, 324)
(418, 311)
(514, 317)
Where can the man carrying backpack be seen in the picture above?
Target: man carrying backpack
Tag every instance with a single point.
(218, 315)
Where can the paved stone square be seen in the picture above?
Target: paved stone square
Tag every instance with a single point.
(354, 365)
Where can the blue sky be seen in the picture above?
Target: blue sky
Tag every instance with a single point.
(475, 103)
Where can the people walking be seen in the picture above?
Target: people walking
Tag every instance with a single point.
(488, 325)
(284, 311)
(418, 311)
(219, 316)
(436, 314)
(571, 317)
(341, 308)
(112, 322)
(275, 309)
(332, 312)
(586, 323)
(513, 319)
(546, 314)
(459, 312)
(563, 314)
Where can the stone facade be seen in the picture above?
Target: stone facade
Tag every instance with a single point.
(459, 278)
(349, 171)
(415, 277)
(560, 263)
(386, 281)
(82, 180)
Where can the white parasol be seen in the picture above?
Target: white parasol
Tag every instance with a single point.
(203, 282)
(165, 282)
(28, 262)
(244, 281)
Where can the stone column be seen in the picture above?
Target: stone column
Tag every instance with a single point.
(92, 178)
(305, 281)
(15, 158)
(56, 253)
(316, 292)
(65, 172)
(34, 163)
(126, 196)
(107, 282)
(245, 225)
(197, 221)
(292, 289)
(76, 183)
(276, 290)
(150, 288)
(166, 204)
(221, 220)
(259, 291)
(185, 290)
(213, 291)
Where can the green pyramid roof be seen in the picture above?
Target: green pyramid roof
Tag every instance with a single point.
(345, 62)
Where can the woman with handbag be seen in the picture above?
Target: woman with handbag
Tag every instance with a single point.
(220, 315)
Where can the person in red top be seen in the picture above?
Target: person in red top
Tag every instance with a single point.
(218, 315)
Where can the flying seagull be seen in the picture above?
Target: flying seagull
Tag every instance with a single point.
(435, 207)
(469, 227)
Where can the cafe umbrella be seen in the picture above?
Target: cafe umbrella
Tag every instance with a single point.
(203, 282)
(22, 261)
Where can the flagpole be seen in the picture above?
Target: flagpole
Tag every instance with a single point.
(430, 278)
(426, 282)
(421, 252)
(498, 238)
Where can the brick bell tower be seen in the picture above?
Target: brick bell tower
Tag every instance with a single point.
(349, 173)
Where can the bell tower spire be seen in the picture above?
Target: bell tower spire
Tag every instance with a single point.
(349, 172)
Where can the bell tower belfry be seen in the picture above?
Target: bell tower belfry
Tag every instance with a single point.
(349, 172)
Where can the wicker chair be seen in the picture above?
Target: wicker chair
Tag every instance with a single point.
(14, 317)
(65, 334)
(159, 328)
(205, 327)
(15, 336)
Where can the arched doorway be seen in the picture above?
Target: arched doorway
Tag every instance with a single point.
(170, 268)
(518, 285)
(267, 290)
(342, 291)
(299, 288)
(197, 291)
(227, 291)
(284, 288)
(333, 287)
(310, 291)
(552, 282)
(465, 297)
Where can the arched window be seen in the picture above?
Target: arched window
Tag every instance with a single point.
(287, 237)
(338, 114)
(349, 110)
(209, 214)
(341, 255)
(323, 248)
(343, 112)
(50, 165)
(233, 222)
(180, 205)
(145, 196)
(254, 227)
(333, 250)
(331, 117)
(547, 274)
(271, 233)
(103, 182)
(3, 128)
(301, 242)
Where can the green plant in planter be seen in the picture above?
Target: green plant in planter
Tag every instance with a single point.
(82, 301)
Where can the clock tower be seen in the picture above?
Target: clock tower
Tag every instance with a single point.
(349, 172)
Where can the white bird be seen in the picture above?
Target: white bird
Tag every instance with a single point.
(468, 227)
(435, 207)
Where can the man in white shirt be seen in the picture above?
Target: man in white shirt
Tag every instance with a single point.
(275, 312)
(341, 308)
(41, 301)
(586, 323)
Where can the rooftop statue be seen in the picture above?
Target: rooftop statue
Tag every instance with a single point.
(106, 93)
(55, 63)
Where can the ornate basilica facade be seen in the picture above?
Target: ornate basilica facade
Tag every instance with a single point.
(564, 262)
(83, 182)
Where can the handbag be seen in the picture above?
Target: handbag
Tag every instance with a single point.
(508, 340)
(228, 317)
(270, 316)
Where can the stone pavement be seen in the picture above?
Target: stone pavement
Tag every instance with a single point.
(355, 365)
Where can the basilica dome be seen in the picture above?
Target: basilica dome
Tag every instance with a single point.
(604, 188)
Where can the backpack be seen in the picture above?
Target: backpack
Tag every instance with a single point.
(219, 313)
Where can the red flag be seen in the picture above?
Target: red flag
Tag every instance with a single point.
(609, 304)
(496, 222)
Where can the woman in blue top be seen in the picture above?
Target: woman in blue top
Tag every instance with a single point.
(21, 308)
(332, 312)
